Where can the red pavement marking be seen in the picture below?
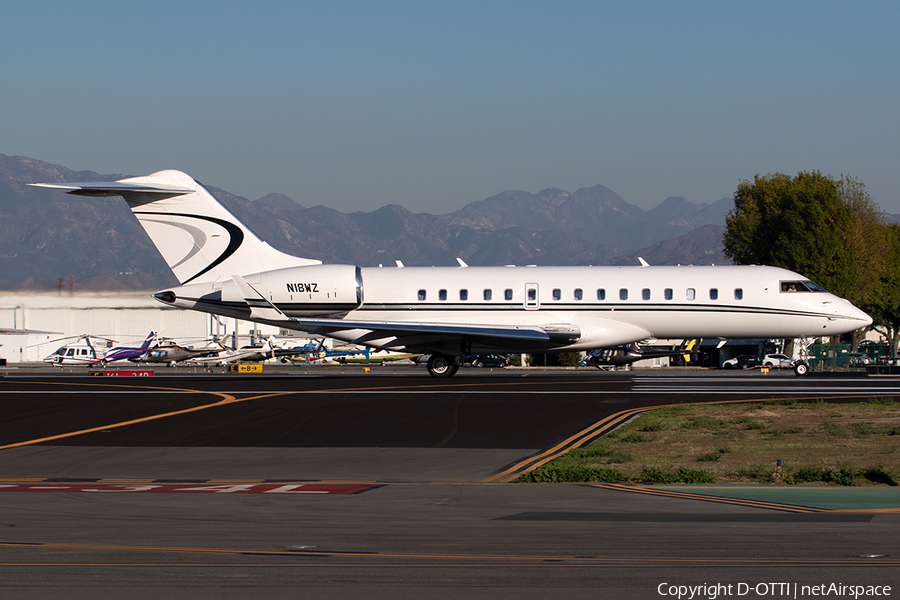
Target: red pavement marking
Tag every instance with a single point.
(167, 488)
(122, 373)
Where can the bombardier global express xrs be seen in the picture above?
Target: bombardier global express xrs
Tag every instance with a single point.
(448, 312)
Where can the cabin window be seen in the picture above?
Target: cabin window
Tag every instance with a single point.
(691, 293)
(507, 294)
(601, 294)
(557, 294)
(442, 295)
(71, 352)
(713, 293)
(623, 294)
(645, 293)
(532, 294)
(488, 294)
(421, 295)
(463, 295)
(738, 294)
(668, 294)
(579, 294)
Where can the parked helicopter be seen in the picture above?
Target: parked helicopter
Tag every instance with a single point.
(170, 353)
(127, 352)
(85, 350)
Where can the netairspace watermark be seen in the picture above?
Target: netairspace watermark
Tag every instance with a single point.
(711, 591)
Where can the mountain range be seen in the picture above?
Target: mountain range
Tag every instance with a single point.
(47, 236)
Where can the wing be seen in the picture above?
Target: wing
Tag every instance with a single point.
(371, 331)
(409, 335)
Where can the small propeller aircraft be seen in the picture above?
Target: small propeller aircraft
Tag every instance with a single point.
(310, 353)
(245, 354)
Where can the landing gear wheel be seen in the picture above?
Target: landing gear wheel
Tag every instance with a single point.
(442, 366)
(801, 368)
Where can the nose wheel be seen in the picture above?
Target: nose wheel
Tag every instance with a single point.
(441, 365)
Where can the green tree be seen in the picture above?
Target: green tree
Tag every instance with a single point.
(797, 223)
(870, 241)
(569, 359)
(884, 303)
(828, 230)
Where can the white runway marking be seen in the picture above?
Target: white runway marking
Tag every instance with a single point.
(638, 389)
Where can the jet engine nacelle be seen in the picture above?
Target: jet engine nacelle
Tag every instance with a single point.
(315, 290)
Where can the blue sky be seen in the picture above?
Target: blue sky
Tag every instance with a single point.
(355, 105)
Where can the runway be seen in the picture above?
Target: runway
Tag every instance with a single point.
(383, 485)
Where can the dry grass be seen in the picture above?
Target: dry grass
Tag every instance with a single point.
(743, 442)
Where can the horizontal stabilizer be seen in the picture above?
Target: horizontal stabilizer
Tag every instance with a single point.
(114, 188)
(200, 239)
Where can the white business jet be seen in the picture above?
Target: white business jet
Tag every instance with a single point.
(448, 312)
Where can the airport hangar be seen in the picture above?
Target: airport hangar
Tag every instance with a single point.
(32, 324)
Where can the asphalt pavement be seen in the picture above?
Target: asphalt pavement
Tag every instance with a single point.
(384, 485)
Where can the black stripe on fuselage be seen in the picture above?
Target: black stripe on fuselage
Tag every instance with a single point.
(288, 307)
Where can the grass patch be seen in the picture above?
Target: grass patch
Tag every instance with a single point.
(835, 429)
(817, 442)
(750, 423)
(651, 426)
(703, 422)
(709, 457)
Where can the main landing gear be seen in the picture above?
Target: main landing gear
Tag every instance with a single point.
(443, 365)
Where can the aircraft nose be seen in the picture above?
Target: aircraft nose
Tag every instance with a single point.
(855, 314)
(866, 319)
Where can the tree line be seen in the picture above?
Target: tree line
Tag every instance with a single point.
(828, 229)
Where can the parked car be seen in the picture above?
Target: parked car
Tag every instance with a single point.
(860, 360)
(744, 361)
(778, 361)
(488, 360)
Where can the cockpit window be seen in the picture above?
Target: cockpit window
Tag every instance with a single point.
(800, 286)
(814, 287)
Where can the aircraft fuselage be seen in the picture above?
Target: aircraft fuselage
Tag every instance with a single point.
(601, 306)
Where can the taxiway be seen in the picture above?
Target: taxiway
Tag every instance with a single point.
(226, 485)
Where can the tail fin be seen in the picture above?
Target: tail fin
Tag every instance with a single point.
(147, 342)
(200, 240)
